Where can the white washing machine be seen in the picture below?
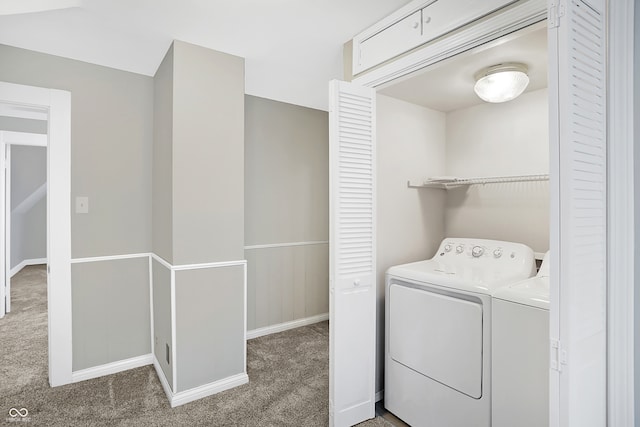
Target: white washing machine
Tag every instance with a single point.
(438, 331)
(520, 348)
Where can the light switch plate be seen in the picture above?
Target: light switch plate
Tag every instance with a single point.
(82, 205)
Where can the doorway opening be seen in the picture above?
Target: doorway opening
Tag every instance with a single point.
(23, 157)
(448, 134)
(54, 107)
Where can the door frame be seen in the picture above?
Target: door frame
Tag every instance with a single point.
(621, 227)
(7, 139)
(620, 244)
(57, 105)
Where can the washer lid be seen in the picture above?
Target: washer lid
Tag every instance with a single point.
(545, 266)
(474, 278)
(533, 292)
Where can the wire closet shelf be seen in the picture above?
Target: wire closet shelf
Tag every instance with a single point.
(452, 182)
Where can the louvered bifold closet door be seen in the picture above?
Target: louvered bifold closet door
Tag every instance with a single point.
(577, 88)
(352, 321)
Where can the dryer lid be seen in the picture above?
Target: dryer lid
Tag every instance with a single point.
(475, 265)
(451, 275)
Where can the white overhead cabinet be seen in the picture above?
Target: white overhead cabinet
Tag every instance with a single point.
(443, 16)
(391, 41)
(416, 24)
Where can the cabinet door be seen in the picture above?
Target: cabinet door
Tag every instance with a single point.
(417, 23)
(444, 16)
(391, 41)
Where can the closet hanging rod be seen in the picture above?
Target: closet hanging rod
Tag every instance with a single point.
(457, 182)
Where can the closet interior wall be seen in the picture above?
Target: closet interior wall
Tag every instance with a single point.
(500, 140)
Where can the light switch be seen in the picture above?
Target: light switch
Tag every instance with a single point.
(82, 205)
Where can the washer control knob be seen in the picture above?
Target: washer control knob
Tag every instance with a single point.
(448, 247)
(497, 253)
(460, 249)
(477, 251)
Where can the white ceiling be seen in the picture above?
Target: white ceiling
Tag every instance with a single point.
(292, 47)
(448, 86)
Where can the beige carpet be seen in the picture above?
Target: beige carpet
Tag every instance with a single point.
(288, 379)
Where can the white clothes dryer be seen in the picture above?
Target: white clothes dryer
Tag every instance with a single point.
(520, 349)
(438, 331)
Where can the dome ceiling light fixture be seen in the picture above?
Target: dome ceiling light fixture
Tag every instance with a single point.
(502, 82)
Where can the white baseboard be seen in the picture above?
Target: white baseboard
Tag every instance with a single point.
(163, 379)
(281, 327)
(24, 263)
(180, 398)
(379, 396)
(111, 368)
(205, 390)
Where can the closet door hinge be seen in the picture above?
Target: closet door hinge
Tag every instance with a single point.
(558, 356)
(555, 11)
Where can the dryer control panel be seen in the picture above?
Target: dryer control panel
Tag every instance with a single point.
(485, 253)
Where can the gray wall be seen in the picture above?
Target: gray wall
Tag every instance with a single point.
(28, 216)
(162, 211)
(286, 201)
(111, 158)
(198, 158)
(111, 317)
(111, 139)
(209, 325)
(208, 153)
(29, 234)
(286, 172)
(28, 171)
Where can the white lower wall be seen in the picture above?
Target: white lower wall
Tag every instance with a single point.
(192, 319)
(286, 283)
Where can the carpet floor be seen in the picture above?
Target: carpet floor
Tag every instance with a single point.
(288, 379)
